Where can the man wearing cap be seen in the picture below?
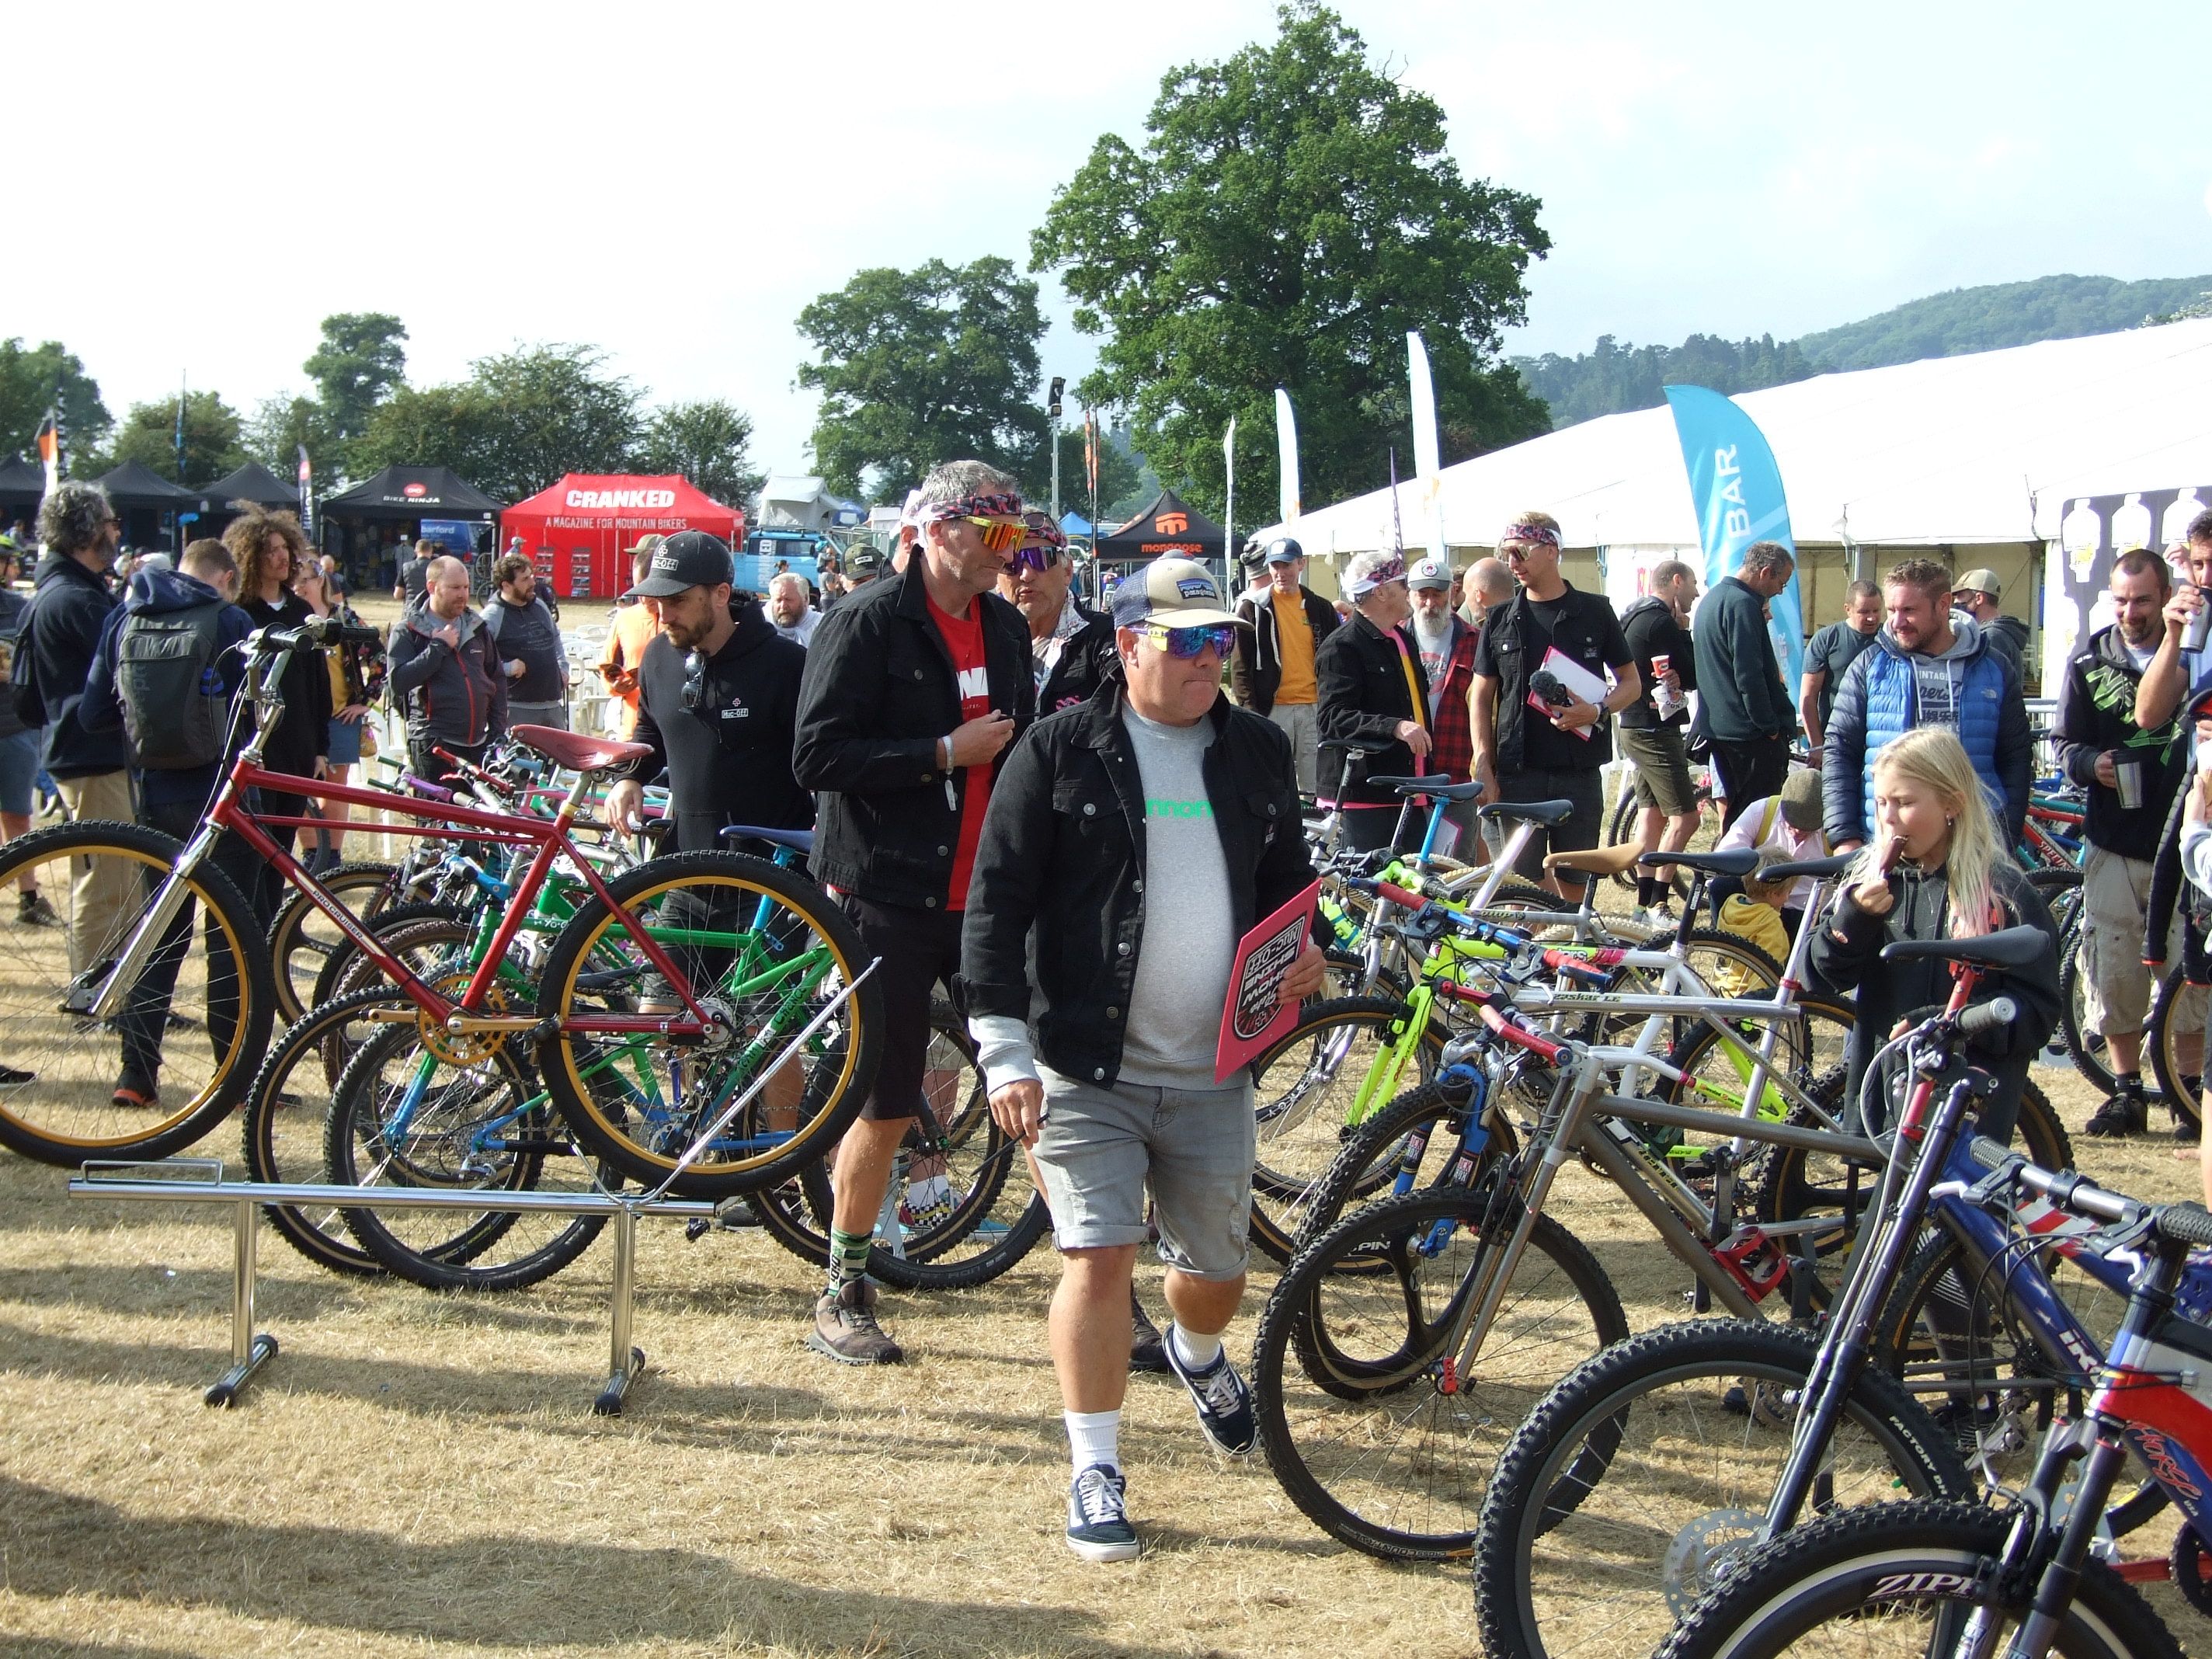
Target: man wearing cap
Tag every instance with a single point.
(718, 703)
(1446, 647)
(636, 622)
(1657, 630)
(1071, 646)
(446, 669)
(862, 565)
(1156, 800)
(912, 690)
(1272, 671)
(1976, 594)
(1553, 751)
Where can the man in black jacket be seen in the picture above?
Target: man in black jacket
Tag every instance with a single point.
(1372, 687)
(1742, 705)
(1071, 646)
(913, 688)
(59, 636)
(1156, 799)
(2132, 776)
(444, 666)
(1271, 672)
(1657, 628)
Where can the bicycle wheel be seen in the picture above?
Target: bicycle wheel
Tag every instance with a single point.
(404, 1117)
(995, 1214)
(1809, 1050)
(766, 952)
(1367, 1421)
(301, 938)
(346, 967)
(1635, 1483)
(2175, 1036)
(195, 1022)
(1903, 1578)
(1303, 1090)
(284, 1117)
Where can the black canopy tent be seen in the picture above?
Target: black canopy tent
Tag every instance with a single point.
(252, 483)
(22, 487)
(365, 527)
(1168, 525)
(141, 497)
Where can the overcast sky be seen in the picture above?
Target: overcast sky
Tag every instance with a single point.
(674, 182)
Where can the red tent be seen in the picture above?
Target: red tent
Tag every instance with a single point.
(577, 530)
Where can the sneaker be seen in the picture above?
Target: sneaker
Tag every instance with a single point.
(1657, 917)
(1098, 1527)
(2186, 1129)
(1224, 1404)
(1145, 1340)
(32, 910)
(845, 1327)
(2123, 1115)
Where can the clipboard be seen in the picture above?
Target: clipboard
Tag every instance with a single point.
(1586, 686)
(1249, 1018)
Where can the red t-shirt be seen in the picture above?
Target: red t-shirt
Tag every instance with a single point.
(964, 638)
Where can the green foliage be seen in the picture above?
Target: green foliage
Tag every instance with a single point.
(214, 443)
(361, 359)
(33, 379)
(1119, 474)
(276, 431)
(2001, 314)
(1293, 214)
(1616, 377)
(708, 441)
(918, 367)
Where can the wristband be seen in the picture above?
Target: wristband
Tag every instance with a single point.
(944, 754)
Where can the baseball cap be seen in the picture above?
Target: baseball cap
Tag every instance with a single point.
(645, 544)
(1173, 592)
(1978, 581)
(1801, 801)
(688, 559)
(1429, 573)
(864, 561)
(1284, 550)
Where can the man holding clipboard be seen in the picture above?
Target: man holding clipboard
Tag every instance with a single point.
(1131, 843)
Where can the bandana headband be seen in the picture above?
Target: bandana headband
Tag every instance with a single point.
(1043, 529)
(1005, 505)
(1530, 532)
(1393, 571)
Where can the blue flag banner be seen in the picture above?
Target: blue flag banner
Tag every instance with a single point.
(1737, 492)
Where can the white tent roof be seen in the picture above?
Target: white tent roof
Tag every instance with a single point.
(1946, 450)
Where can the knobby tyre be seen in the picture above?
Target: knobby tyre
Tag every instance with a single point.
(1390, 1448)
(62, 1066)
(1635, 1483)
(301, 938)
(346, 966)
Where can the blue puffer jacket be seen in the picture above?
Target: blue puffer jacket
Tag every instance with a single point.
(1880, 701)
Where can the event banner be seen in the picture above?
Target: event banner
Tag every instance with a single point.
(2093, 531)
(1737, 488)
(1249, 1018)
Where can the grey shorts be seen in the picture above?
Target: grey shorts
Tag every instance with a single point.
(1099, 1146)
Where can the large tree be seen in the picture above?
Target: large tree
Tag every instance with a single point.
(708, 441)
(359, 362)
(924, 366)
(34, 379)
(1291, 214)
(214, 443)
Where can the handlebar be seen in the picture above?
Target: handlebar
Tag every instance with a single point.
(1494, 1013)
(2177, 1224)
(1988, 1016)
(316, 630)
(1576, 968)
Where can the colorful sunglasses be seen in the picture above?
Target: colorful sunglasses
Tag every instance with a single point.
(1041, 557)
(1191, 641)
(1000, 535)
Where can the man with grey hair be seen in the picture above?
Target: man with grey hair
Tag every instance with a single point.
(790, 607)
(1743, 707)
(59, 638)
(913, 687)
(1372, 687)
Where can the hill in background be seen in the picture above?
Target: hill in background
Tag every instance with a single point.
(1616, 376)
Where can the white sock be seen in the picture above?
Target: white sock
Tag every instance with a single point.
(1094, 1437)
(1197, 1352)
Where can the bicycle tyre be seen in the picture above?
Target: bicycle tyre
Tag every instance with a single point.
(64, 1120)
(1589, 1488)
(843, 1061)
(2168, 1029)
(346, 967)
(1931, 1554)
(296, 957)
(1559, 1309)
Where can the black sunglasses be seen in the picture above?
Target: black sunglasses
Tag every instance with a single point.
(694, 681)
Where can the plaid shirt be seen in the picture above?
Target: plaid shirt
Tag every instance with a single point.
(1453, 727)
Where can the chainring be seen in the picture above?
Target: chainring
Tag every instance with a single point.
(461, 1047)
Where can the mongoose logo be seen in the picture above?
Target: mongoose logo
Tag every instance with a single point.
(1171, 524)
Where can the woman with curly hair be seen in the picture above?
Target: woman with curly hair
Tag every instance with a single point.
(268, 547)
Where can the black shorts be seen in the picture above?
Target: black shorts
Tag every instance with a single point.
(1584, 786)
(921, 950)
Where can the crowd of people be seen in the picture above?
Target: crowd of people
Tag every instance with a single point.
(1061, 811)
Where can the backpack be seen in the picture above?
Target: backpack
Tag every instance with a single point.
(174, 706)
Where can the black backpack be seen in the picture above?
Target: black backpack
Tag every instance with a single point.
(173, 703)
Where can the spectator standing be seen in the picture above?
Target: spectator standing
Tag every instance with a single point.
(1486, 585)
(1273, 671)
(56, 641)
(637, 621)
(2175, 674)
(1372, 687)
(1446, 646)
(528, 641)
(268, 547)
(1116, 1090)
(1929, 666)
(913, 689)
(790, 607)
(1742, 708)
(1976, 594)
(1071, 646)
(1833, 649)
(415, 574)
(862, 565)
(19, 752)
(1524, 754)
(447, 672)
(2125, 821)
(356, 677)
(1653, 728)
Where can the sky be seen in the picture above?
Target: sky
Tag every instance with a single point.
(674, 182)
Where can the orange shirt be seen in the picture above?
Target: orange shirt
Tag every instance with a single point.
(1294, 634)
(634, 628)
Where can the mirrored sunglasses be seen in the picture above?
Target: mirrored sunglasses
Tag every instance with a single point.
(1191, 641)
(1000, 535)
(1040, 557)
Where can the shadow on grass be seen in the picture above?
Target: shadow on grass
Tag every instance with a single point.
(495, 1590)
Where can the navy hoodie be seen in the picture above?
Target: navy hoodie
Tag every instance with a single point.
(102, 708)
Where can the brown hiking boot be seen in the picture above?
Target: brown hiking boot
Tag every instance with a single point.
(845, 1327)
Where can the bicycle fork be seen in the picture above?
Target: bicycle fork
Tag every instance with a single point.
(171, 897)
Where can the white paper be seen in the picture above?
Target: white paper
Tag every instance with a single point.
(1586, 686)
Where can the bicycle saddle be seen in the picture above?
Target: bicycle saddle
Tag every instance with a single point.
(1436, 786)
(799, 840)
(1818, 868)
(2014, 947)
(1741, 861)
(577, 752)
(1546, 813)
(1613, 860)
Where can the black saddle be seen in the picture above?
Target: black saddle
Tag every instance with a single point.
(799, 840)
(2014, 947)
(1546, 813)
(1740, 862)
(1442, 791)
(1819, 869)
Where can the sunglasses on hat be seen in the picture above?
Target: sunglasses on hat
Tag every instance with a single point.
(1191, 641)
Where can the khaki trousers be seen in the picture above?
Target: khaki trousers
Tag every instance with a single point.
(103, 895)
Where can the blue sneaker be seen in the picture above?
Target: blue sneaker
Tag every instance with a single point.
(1224, 1402)
(1098, 1527)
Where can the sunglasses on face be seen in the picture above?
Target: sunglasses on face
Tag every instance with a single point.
(1038, 558)
(1000, 535)
(1191, 641)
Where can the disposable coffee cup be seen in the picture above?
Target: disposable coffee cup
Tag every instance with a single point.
(2128, 780)
(1661, 663)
